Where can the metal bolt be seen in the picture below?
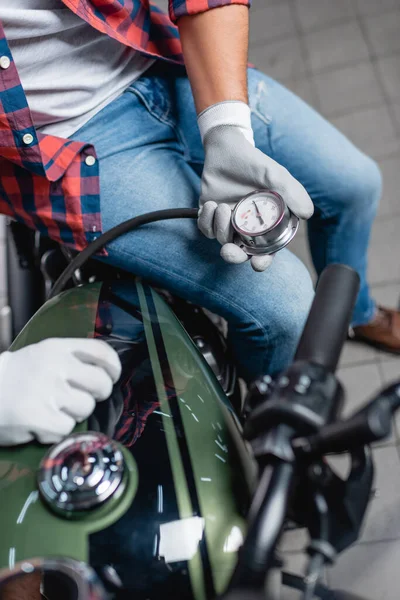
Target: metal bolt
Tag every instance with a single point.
(284, 381)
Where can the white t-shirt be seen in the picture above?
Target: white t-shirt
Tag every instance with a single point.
(68, 69)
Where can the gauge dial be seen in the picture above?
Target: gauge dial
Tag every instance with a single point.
(263, 223)
(257, 213)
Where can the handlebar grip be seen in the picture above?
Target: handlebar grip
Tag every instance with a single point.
(330, 315)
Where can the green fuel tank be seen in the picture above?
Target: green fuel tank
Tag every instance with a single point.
(174, 523)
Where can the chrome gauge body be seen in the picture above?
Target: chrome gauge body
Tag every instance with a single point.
(263, 223)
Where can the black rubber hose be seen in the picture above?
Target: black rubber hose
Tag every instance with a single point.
(114, 233)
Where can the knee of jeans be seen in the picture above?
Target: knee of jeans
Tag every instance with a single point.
(360, 187)
(294, 295)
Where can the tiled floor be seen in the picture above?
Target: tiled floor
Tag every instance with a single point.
(343, 57)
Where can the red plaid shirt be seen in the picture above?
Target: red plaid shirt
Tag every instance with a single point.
(50, 183)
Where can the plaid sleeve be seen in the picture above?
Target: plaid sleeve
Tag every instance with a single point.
(181, 8)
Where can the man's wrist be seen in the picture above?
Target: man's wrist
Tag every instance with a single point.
(231, 112)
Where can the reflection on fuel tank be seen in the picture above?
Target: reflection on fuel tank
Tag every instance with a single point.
(134, 398)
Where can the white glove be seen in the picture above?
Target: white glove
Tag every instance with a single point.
(47, 387)
(233, 168)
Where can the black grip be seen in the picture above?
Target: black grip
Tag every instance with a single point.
(330, 315)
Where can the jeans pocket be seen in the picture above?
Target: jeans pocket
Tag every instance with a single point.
(155, 94)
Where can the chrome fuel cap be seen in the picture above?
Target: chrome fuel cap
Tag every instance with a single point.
(81, 473)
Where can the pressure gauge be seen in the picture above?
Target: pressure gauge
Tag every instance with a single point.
(263, 223)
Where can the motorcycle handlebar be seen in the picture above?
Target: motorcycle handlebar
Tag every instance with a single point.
(321, 343)
(329, 318)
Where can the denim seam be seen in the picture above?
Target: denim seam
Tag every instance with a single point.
(265, 119)
(225, 300)
(163, 119)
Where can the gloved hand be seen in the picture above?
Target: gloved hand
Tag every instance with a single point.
(47, 387)
(233, 168)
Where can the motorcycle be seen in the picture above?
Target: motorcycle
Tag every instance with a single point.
(170, 491)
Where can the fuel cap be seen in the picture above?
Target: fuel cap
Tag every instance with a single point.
(81, 473)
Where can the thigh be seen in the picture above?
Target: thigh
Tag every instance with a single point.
(312, 149)
(176, 256)
(142, 141)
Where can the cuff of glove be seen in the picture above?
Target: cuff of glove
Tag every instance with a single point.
(233, 113)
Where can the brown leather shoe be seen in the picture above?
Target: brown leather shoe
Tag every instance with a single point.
(382, 333)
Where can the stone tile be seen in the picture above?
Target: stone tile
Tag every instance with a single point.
(360, 383)
(304, 88)
(316, 14)
(384, 252)
(282, 59)
(387, 295)
(336, 46)
(383, 32)
(383, 514)
(390, 370)
(389, 69)
(348, 88)
(354, 353)
(390, 202)
(272, 22)
(368, 570)
(372, 130)
(372, 7)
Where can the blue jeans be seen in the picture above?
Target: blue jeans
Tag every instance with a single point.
(151, 157)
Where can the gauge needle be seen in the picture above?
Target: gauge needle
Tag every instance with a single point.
(259, 215)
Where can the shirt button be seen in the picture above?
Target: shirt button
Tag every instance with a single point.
(27, 139)
(5, 62)
(90, 161)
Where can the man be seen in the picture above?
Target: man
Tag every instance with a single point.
(112, 133)
(46, 388)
